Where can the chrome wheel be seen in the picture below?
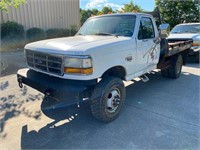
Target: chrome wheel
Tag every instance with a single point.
(113, 100)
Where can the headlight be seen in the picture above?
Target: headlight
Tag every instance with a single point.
(78, 65)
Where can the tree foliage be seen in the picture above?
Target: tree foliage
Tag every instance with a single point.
(95, 11)
(131, 8)
(85, 14)
(106, 10)
(179, 11)
(4, 4)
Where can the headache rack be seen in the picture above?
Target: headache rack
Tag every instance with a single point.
(49, 63)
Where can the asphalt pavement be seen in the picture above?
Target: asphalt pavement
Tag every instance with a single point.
(159, 114)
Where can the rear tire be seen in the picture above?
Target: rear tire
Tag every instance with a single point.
(175, 70)
(193, 58)
(165, 73)
(108, 98)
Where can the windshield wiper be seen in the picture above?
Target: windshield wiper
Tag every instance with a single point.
(80, 34)
(104, 33)
(192, 31)
(180, 32)
(186, 31)
(175, 32)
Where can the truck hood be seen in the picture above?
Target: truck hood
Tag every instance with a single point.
(194, 37)
(73, 45)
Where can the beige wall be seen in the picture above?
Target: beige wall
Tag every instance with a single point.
(45, 14)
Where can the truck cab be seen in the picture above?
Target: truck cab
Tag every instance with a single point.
(127, 38)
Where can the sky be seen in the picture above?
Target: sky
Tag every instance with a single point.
(147, 5)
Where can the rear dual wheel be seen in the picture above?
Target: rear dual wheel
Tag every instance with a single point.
(175, 70)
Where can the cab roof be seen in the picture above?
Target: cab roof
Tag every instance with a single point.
(123, 14)
(192, 23)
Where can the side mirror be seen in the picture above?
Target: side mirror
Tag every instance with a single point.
(164, 30)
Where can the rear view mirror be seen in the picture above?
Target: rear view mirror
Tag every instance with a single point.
(164, 30)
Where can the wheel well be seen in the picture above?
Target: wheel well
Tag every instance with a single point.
(117, 71)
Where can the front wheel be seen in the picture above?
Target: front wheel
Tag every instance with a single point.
(107, 99)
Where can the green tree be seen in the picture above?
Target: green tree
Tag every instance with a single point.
(85, 14)
(179, 11)
(106, 10)
(4, 4)
(131, 8)
(95, 11)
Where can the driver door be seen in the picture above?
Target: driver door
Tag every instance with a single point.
(145, 43)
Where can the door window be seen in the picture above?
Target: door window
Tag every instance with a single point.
(146, 30)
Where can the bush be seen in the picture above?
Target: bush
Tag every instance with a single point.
(54, 33)
(73, 30)
(12, 35)
(35, 34)
(12, 44)
(12, 30)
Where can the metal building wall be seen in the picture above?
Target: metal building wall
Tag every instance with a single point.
(45, 14)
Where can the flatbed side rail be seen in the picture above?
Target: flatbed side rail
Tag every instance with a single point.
(174, 47)
(177, 47)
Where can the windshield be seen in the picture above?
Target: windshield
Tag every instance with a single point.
(194, 28)
(122, 25)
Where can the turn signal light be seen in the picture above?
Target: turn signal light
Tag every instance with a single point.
(196, 44)
(83, 71)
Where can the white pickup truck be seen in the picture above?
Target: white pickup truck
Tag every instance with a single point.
(93, 64)
(188, 31)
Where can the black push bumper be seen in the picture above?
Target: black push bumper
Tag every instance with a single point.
(62, 90)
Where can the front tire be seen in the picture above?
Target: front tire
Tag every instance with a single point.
(107, 99)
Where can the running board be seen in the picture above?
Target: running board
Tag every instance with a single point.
(144, 78)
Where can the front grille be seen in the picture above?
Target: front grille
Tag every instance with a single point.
(45, 62)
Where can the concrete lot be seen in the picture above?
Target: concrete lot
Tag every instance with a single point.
(160, 114)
